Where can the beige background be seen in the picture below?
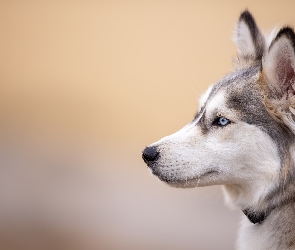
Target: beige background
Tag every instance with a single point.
(85, 85)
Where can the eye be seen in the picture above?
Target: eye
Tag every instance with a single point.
(221, 121)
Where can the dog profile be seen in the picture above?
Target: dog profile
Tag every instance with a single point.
(243, 138)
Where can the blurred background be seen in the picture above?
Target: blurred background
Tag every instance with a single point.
(84, 87)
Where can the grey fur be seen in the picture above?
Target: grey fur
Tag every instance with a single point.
(248, 92)
(257, 37)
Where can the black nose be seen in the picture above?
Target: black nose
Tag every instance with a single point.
(150, 154)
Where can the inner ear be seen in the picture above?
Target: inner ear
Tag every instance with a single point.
(279, 63)
(286, 74)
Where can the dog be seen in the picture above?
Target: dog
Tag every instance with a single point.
(243, 138)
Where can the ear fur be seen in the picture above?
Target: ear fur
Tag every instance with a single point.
(278, 64)
(248, 38)
(278, 70)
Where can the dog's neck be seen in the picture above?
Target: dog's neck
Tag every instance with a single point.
(282, 199)
(266, 230)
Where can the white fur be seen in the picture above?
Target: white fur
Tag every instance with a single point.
(270, 36)
(192, 155)
(204, 97)
(243, 39)
(241, 156)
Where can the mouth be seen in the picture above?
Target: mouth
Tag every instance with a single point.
(178, 178)
(210, 172)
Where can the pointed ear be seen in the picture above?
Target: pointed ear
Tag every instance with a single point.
(248, 38)
(278, 64)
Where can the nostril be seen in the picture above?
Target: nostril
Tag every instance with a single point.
(150, 154)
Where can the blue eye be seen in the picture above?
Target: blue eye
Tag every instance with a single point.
(221, 121)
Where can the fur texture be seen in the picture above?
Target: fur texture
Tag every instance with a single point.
(243, 139)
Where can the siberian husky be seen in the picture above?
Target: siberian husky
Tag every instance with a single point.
(243, 138)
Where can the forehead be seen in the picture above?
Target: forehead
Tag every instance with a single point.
(237, 89)
(217, 103)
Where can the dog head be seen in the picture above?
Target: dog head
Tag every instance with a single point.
(242, 135)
